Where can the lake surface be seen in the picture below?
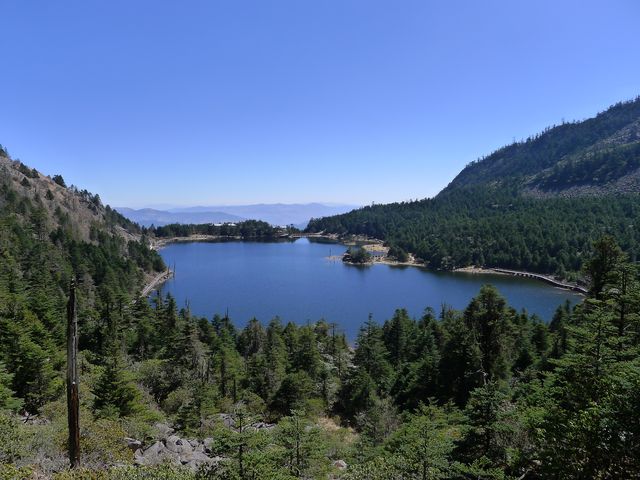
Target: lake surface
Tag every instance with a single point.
(296, 281)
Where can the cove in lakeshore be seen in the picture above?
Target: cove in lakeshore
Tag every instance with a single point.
(297, 282)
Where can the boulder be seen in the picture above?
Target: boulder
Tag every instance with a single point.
(163, 429)
(178, 445)
(340, 464)
(196, 460)
(227, 420)
(133, 444)
(263, 426)
(150, 456)
(156, 454)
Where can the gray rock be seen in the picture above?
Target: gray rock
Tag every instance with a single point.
(163, 429)
(133, 444)
(195, 457)
(172, 443)
(207, 443)
(178, 445)
(156, 454)
(171, 457)
(227, 420)
(196, 460)
(263, 426)
(340, 464)
(185, 446)
(152, 455)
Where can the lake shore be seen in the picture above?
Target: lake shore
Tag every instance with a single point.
(379, 251)
(156, 281)
(158, 243)
(478, 270)
(519, 273)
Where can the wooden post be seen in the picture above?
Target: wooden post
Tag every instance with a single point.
(73, 403)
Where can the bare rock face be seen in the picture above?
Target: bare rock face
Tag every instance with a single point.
(192, 453)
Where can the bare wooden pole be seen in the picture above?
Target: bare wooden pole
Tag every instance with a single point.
(73, 403)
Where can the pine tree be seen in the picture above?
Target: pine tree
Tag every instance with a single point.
(423, 444)
(302, 443)
(8, 401)
(115, 393)
(488, 318)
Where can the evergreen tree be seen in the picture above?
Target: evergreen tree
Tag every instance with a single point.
(302, 444)
(8, 401)
(422, 447)
(115, 393)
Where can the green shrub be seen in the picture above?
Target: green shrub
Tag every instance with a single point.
(11, 472)
(11, 439)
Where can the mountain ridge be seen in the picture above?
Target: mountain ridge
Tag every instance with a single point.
(147, 217)
(535, 205)
(277, 214)
(555, 160)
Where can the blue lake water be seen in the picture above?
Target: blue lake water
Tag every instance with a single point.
(296, 281)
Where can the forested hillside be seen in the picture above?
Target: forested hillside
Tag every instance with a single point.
(486, 393)
(535, 205)
(601, 153)
(49, 234)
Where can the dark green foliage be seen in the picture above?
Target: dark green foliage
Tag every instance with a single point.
(115, 393)
(248, 229)
(398, 253)
(294, 390)
(357, 255)
(490, 227)
(26, 171)
(59, 180)
(8, 401)
(302, 443)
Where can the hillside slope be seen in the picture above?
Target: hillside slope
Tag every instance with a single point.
(85, 212)
(600, 155)
(50, 234)
(536, 205)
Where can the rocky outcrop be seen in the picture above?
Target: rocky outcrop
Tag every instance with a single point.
(171, 448)
(175, 450)
(228, 421)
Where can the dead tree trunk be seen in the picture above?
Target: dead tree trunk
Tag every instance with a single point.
(73, 403)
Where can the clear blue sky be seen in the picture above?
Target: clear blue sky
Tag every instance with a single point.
(243, 101)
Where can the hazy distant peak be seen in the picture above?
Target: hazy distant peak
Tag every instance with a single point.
(297, 214)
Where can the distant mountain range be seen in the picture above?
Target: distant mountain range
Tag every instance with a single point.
(275, 214)
(149, 216)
